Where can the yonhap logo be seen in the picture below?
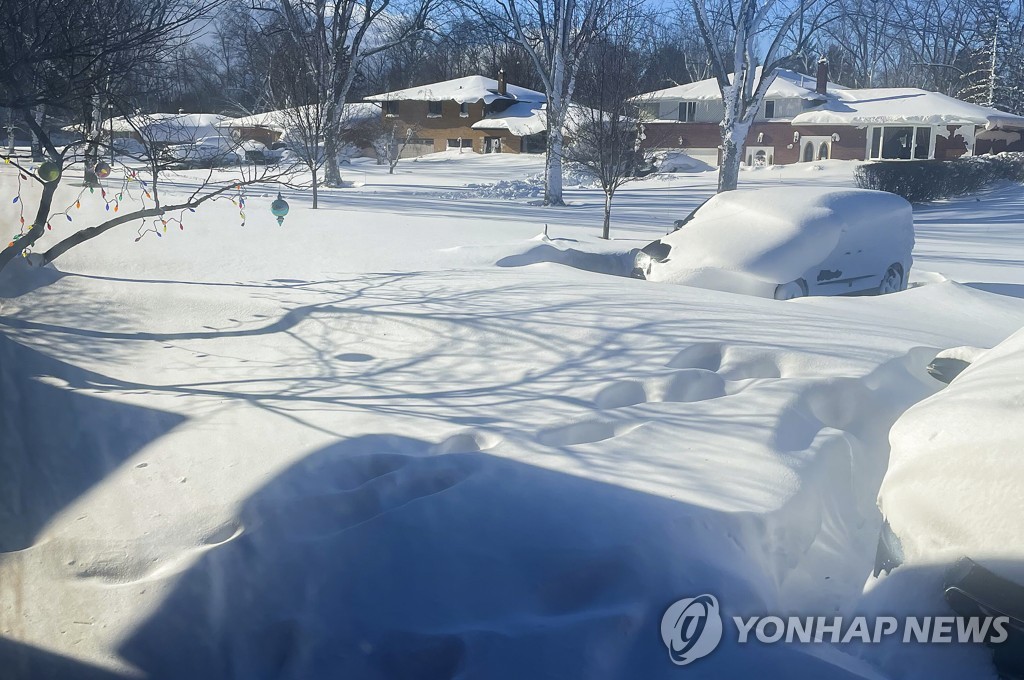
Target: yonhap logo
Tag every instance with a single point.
(691, 628)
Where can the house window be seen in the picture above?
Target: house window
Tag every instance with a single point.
(391, 109)
(900, 142)
(923, 143)
(460, 143)
(687, 111)
(650, 111)
(433, 109)
(769, 108)
(464, 109)
(823, 151)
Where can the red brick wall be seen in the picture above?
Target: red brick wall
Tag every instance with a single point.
(852, 142)
(450, 125)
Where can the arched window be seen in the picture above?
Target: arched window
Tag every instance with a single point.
(823, 151)
(808, 152)
(760, 159)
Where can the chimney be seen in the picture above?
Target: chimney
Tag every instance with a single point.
(502, 86)
(821, 85)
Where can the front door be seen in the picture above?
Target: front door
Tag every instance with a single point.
(492, 144)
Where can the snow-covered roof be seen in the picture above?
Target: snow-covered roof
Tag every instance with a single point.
(787, 84)
(904, 105)
(530, 118)
(463, 90)
(521, 119)
(279, 120)
(169, 127)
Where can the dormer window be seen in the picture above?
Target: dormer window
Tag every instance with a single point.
(464, 110)
(687, 112)
(433, 109)
(769, 108)
(390, 109)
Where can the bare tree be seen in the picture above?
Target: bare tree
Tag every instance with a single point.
(389, 143)
(555, 35)
(741, 81)
(61, 53)
(346, 32)
(607, 134)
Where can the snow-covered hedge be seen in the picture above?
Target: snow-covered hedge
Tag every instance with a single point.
(931, 180)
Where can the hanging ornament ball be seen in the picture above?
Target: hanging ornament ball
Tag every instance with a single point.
(279, 208)
(49, 171)
(102, 169)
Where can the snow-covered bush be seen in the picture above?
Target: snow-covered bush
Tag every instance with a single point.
(934, 179)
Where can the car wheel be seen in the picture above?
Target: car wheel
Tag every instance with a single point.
(791, 290)
(892, 282)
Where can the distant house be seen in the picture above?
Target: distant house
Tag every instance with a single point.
(163, 129)
(271, 127)
(472, 113)
(806, 119)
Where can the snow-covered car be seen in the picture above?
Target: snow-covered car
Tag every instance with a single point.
(788, 242)
(259, 153)
(206, 152)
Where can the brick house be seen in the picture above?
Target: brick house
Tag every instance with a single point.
(806, 119)
(473, 113)
(271, 127)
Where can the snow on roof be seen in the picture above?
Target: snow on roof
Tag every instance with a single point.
(169, 127)
(463, 90)
(521, 119)
(278, 120)
(530, 118)
(904, 105)
(787, 84)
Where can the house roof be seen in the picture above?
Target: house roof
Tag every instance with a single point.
(531, 118)
(278, 120)
(904, 105)
(169, 127)
(787, 84)
(520, 119)
(463, 90)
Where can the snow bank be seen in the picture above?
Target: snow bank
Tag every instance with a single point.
(956, 471)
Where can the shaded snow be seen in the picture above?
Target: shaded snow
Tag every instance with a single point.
(395, 438)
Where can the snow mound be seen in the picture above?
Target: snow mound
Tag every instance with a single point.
(531, 187)
(956, 470)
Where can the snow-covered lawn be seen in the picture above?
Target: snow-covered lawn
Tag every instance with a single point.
(393, 439)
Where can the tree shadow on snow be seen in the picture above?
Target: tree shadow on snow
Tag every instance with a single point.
(55, 443)
(375, 558)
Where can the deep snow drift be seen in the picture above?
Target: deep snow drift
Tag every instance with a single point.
(357, 446)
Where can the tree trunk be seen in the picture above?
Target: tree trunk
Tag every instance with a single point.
(38, 225)
(315, 192)
(606, 232)
(553, 168)
(37, 143)
(729, 172)
(332, 172)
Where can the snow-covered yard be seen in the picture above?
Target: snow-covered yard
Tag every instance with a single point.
(394, 438)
